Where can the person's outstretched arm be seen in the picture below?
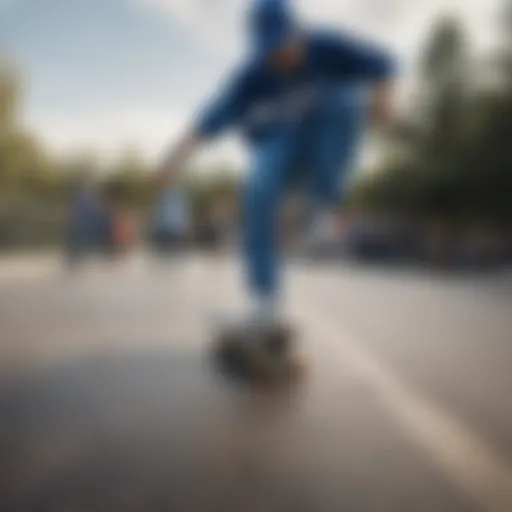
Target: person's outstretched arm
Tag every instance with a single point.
(223, 112)
(177, 157)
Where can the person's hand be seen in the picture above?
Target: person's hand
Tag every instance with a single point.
(173, 163)
(164, 173)
(382, 112)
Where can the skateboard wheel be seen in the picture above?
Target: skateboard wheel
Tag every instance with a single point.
(279, 342)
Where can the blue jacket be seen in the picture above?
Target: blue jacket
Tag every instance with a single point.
(259, 99)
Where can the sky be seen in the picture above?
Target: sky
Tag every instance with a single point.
(105, 75)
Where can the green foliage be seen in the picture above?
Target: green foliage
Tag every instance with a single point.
(128, 182)
(459, 165)
(10, 93)
(206, 193)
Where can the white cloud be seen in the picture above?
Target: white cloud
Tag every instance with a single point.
(109, 131)
(215, 24)
(402, 23)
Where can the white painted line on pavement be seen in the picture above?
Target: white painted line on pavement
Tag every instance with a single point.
(458, 451)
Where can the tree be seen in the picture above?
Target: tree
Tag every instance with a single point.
(24, 165)
(460, 162)
(128, 181)
(10, 96)
(505, 51)
(445, 94)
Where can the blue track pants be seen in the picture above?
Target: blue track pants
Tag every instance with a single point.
(317, 154)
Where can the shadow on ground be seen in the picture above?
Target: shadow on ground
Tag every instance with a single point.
(141, 432)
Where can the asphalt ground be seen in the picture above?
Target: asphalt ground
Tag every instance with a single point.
(109, 401)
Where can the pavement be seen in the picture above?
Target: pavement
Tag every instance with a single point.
(108, 401)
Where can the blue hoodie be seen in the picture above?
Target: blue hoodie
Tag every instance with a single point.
(259, 99)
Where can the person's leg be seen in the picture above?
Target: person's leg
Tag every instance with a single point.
(334, 137)
(271, 165)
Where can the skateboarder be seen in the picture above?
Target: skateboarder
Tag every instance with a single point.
(301, 99)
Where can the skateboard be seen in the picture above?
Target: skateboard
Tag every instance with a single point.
(266, 356)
